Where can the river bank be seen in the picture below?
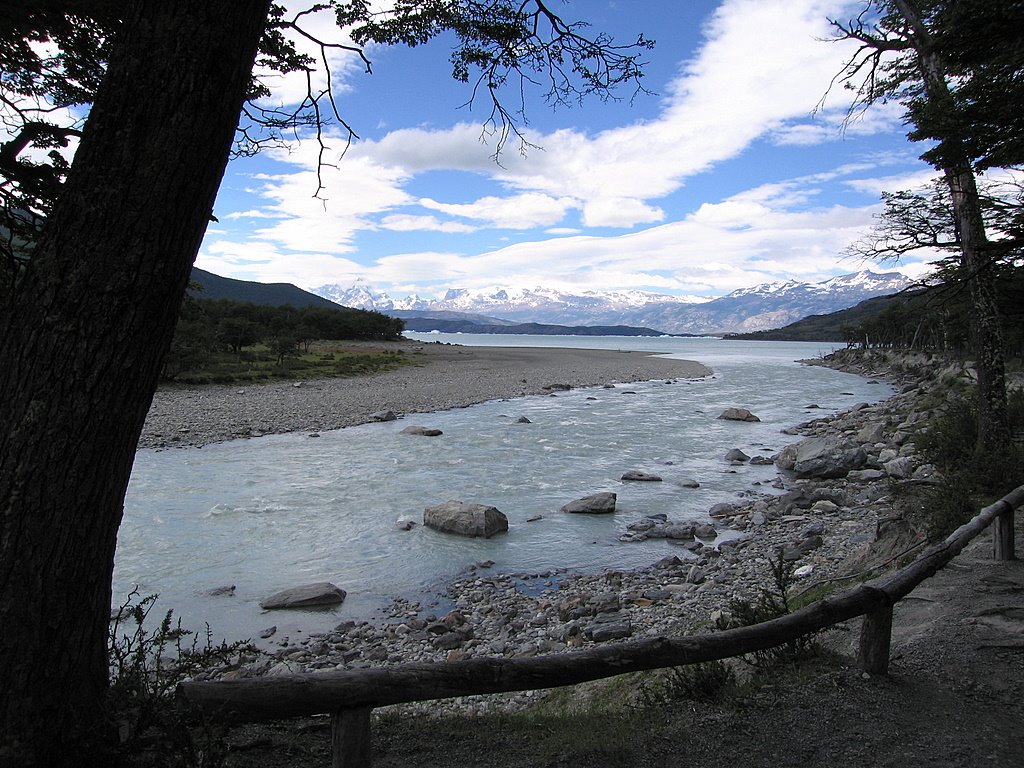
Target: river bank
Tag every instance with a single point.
(831, 509)
(439, 377)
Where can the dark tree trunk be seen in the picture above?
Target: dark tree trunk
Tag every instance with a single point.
(81, 346)
(975, 266)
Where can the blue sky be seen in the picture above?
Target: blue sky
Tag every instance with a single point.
(731, 174)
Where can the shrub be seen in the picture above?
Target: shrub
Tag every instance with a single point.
(772, 603)
(145, 668)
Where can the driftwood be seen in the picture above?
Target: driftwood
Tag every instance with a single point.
(351, 695)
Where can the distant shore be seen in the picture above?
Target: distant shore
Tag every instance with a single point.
(445, 376)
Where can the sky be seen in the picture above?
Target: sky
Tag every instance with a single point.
(738, 168)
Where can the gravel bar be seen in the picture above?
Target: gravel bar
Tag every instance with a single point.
(444, 376)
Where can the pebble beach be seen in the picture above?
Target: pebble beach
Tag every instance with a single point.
(439, 377)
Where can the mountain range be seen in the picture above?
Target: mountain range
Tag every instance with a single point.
(765, 306)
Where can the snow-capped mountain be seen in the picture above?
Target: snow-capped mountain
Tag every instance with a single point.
(359, 295)
(769, 305)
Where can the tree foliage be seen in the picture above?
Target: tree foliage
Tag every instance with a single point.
(96, 260)
(53, 57)
(926, 55)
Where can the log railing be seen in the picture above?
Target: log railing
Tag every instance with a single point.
(350, 696)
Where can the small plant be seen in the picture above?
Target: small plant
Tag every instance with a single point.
(708, 681)
(772, 603)
(145, 667)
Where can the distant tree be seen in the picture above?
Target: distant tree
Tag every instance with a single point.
(925, 53)
(97, 257)
(238, 332)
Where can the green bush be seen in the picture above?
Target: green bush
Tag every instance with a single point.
(772, 603)
(145, 665)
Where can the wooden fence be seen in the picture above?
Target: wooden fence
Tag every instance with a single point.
(350, 696)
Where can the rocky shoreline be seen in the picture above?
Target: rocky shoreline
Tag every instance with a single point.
(438, 377)
(831, 513)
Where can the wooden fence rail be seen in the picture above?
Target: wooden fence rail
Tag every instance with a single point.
(349, 696)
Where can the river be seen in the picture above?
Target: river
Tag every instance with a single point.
(283, 510)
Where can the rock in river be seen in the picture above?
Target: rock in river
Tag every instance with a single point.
(425, 431)
(738, 414)
(465, 519)
(641, 477)
(306, 596)
(596, 504)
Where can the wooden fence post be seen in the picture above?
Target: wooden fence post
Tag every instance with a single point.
(875, 637)
(350, 738)
(1002, 535)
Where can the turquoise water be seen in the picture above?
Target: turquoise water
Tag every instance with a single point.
(283, 510)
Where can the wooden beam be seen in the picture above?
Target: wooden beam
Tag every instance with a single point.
(1003, 544)
(350, 738)
(875, 638)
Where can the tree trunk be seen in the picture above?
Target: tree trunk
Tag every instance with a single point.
(81, 345)
(975, 267)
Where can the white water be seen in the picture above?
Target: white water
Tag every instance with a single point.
(284, 510)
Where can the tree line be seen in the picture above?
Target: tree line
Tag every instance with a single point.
(937, 319)
(210, 327)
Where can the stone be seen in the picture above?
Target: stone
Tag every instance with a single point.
(523, 420)
(679, 531)
(383, 416)
(865, 475)
(705, 531)
(534, 518)
(424, 431)
(596, 504)
(642, 477)
(268, 632)
(305, 596)
(821, 457)
(736, 455)
(722, 509)
(871, 432)
(901, 467)
(688, 483)
(609, 626)
(465, 519)
(225, 591)
(737, 414)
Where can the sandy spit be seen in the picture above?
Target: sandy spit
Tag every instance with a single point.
(445, 376)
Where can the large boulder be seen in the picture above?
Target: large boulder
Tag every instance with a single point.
(737, 414)
(465, 519)
(596, 504)
(306, 596)
(821, 457)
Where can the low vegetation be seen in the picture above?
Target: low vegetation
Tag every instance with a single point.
(222, 341)
(971, 479)
(146, 662)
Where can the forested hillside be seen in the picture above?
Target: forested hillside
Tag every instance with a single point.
(220, 340)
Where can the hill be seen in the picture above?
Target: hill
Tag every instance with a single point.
(428, 324)
(826, 327)
(265, 294)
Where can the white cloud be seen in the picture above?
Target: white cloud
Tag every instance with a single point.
(524, 211)
(401, 222)
(757, 79)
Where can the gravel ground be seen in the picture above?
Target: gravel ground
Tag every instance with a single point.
(444, 376)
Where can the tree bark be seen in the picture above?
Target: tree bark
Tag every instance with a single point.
(81, 344)
(975, 267)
